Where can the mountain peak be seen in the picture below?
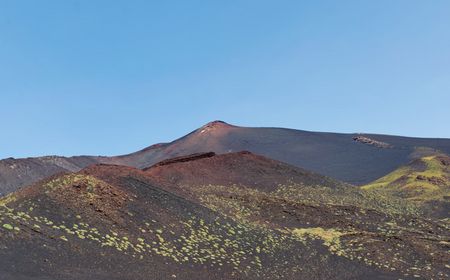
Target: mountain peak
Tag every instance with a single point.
(215, 125)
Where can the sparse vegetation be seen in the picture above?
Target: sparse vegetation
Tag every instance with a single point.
(233, 230)
(425, 179)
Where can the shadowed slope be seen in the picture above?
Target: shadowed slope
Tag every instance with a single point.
(15, 173)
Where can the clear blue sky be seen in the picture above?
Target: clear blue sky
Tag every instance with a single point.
(111, 77)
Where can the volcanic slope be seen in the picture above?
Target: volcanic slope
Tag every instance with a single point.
(15, 173)
(369, 226)
(241, 168)
(424, 181)
(353, 158)
(77, 226)
(116, 222)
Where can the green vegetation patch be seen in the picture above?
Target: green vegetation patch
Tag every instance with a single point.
(330, 237)
(347, 195)
(8, 226)
(416, 184)
(7, 199)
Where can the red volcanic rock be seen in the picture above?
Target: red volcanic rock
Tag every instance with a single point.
(215, 126)
(184, 159)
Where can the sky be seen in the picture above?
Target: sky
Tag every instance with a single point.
(111, 77)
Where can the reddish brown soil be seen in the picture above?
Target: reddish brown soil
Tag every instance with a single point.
(242, 168)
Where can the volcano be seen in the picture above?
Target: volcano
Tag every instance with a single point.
(353, 158)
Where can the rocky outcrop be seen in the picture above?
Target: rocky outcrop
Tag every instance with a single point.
(184, 159)
(375, 143)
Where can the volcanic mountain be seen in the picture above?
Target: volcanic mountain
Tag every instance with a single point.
(257, 219)
(353, 158)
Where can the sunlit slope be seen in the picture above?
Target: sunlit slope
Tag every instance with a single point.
(424, 182)
(424, 179)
